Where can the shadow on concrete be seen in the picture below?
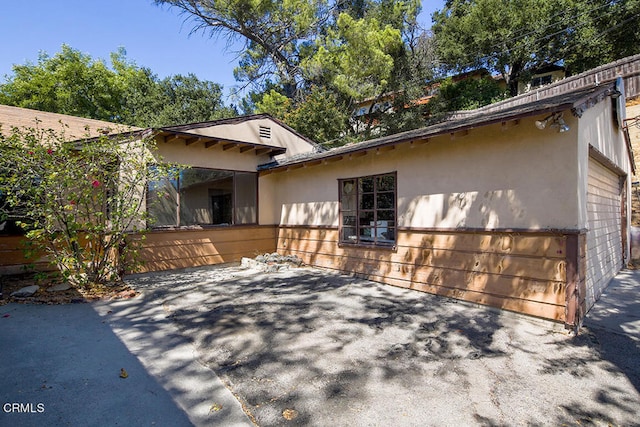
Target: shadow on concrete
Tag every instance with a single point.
(311, 347)
(62, 363)
(615, 322)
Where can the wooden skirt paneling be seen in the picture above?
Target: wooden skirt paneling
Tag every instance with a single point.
(517, 271)
(165, 250)
(13, 259)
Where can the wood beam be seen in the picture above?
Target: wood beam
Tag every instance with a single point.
(333, 159)
(415, 143)
(246, 148)
(171, 137)
(459, 134)
(262, 151)
(312, 163)
(385, 148)
(190, 141)
(508, 124)
(210, 144)
(226, 147)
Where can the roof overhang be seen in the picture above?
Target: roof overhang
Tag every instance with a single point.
(457, 124)
(188, 138)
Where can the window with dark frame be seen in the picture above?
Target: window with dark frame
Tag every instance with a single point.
(542, 80)
(201, 196)
(368, 210)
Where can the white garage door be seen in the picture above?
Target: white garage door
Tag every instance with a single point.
(604, 236)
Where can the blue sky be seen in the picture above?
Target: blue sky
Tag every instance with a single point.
(153, 36)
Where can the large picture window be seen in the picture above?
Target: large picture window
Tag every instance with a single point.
(199, 196)
(368, 210)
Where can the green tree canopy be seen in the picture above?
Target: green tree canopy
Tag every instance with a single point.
(294, 49)
(174, 100)
(514, 37)
(76, 84)
(273, 32)
(467, 94)
(605, 30)
(357, 57)
(68, 83)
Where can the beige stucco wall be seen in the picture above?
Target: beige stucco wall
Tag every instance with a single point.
(519, 177)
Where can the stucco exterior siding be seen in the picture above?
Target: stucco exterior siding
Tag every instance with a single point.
(169, 249)
(483, 216)
(488, 179)
(524, 272)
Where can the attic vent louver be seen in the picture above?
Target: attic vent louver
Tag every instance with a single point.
(265, 132)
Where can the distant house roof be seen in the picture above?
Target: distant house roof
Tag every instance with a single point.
(578, 101)
(73, 127)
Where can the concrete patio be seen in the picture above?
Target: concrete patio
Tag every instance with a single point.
(230, 346)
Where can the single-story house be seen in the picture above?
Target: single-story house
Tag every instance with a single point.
(524, 208)
(211, 214)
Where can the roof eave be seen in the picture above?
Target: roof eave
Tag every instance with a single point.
(577, 106)
(168, 135)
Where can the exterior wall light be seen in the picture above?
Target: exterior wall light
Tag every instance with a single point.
(556, 121)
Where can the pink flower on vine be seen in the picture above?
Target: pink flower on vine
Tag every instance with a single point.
(49, 151)
(95, 183)
(30, 153)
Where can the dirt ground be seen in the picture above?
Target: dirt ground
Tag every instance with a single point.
(12, 283)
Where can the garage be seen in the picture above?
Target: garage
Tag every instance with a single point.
(604, 235)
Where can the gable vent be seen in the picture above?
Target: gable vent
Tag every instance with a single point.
(265, 132)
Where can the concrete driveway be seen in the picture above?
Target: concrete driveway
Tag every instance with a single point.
(228, 346)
